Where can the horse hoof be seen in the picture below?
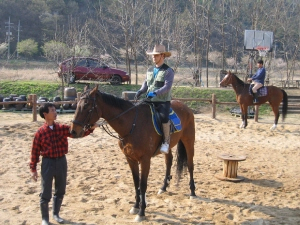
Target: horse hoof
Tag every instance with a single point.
(193, 197)
(134, 211)
(273, 127)
(160, 192)
(139, 218)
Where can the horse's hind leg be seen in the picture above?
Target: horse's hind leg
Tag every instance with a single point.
(187, 146)
(276, 114)
(190, 164)
(168, 177)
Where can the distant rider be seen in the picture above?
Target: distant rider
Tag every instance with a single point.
(258, 80)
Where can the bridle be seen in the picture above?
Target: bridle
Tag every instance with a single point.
(86, 123)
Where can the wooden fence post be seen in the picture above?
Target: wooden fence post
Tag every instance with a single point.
(34, 107)
(213, 103)
(78, 96)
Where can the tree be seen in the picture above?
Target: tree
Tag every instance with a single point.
(55, 51)
(28, 48)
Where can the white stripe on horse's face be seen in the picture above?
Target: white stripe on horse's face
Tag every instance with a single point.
(224, 78)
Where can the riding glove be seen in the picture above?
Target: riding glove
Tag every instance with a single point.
(151, 94)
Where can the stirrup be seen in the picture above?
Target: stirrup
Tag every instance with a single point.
(164, 148)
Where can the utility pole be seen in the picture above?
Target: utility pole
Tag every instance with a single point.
(18, 39)
(8, 34)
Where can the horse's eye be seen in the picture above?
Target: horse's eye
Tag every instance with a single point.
(85, 105)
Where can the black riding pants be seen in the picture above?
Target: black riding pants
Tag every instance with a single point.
(163, 109)
(53, 168)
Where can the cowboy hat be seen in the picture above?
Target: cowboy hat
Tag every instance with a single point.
(159, 49)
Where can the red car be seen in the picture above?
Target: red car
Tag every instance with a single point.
(85, 68)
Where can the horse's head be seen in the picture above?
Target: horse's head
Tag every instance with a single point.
(227, 80)
(86, 114)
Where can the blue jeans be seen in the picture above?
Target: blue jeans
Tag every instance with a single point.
(53, 168)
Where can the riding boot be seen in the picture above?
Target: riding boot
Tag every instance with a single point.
(255, 97)
(166, 130)
(45, 213)
(56, 208)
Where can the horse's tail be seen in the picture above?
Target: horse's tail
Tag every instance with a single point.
(181, 159)
(284, 104)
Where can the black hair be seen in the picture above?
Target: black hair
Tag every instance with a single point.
(260, 62)
(45, 109)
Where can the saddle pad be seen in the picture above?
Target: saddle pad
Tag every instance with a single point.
(263, 91)
(174, 119)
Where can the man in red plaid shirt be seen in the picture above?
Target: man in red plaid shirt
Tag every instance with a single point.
(51, 142)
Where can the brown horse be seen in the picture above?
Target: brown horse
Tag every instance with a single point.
(274, 96)
(138, 138)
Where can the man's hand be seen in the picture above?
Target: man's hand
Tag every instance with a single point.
(151, 94)
(34, 176)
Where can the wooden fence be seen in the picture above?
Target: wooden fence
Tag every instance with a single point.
(32, 101)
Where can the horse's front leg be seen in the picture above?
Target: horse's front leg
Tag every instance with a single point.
(168, 177)
(145, 167)
(134, 166)
(244, 111)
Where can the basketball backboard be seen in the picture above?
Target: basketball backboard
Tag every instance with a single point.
(258, 40)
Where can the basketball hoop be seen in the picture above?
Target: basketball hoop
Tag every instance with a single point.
(262, 51)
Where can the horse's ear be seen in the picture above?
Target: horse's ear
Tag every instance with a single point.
(229, 72)
(94, 91)
(86, 87)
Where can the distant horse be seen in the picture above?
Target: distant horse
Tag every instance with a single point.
(138, 138)
(274, 96)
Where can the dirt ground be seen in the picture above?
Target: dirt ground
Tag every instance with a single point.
(100, 187)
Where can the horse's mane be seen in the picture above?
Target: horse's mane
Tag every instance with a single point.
(115, 101)
(239, 81)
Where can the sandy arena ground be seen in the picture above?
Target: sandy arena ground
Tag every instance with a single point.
(100, 187)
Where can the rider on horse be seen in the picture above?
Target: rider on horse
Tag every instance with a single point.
(258, 79)
(158, 86)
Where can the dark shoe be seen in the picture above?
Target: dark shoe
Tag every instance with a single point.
(56, 208)
(45, 222)
(45, 213)
(255, 98)
(58, 219)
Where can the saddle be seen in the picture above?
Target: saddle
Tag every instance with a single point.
(263, 91)
(175, 124)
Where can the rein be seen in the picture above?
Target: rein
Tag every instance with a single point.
(106, 128)
(86, 125)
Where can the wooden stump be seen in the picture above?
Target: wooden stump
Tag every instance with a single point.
(230, 167)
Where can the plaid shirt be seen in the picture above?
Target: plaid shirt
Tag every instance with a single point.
(50, 143)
